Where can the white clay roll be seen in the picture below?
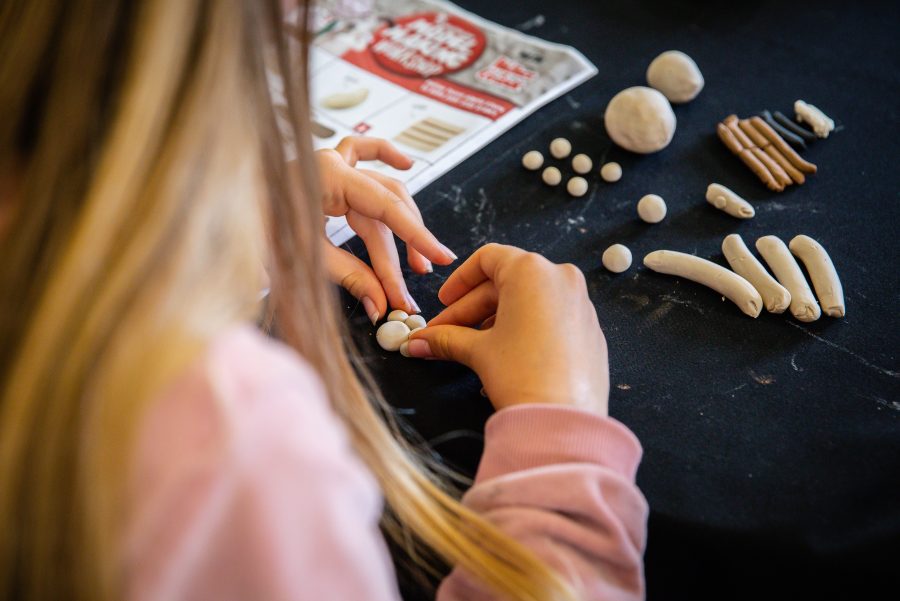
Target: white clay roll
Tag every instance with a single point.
(775, 296)
(725, 282)
(803, 304)
(822, 273)
(725, 200)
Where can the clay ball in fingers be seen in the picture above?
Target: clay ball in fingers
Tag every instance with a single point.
(640, 119)
(391, 335)
(414, 322)
(397, 315)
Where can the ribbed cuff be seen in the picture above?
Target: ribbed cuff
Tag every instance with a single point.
(535, 435)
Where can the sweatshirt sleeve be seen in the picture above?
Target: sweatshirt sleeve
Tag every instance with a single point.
(561, 481)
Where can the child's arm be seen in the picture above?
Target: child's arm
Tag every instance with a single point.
(561, 481)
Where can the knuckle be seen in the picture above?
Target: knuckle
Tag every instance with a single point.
(355, 283)
(530, 262)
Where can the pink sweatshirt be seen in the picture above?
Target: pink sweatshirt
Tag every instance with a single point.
(245, 486)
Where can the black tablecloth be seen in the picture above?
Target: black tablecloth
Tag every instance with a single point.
(771, 447)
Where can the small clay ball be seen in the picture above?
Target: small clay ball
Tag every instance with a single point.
(611, 172)
(391, 335)
(676, 75)
(617, 258)
(577, 186)
(651, 208)
(404, 349)
(640, 119)
(397, 315)
(414, 322)
(582, 163)
(532, 160)
(560, 148)
(551, 176)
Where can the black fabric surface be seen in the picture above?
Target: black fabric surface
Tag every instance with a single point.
(771, 447)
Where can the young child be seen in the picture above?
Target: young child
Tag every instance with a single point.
(155, 445)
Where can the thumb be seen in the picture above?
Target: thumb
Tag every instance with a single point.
(453, 343)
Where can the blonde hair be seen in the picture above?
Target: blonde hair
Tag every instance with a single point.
(150, 186)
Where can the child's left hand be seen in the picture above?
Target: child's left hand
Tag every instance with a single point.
(376, 207)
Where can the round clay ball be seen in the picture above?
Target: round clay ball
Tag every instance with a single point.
(532, 160)
(397, 315)
(676, 75)
(560, 148)
(404, 349)
(651, 208)
(391, 335)
(551, 176)
(414, 322)
(577, 186)
(640, 119)
(611, 172)
(617, 258)
(582, 163)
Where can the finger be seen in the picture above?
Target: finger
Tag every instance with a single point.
(482, 265)
(471, 309)
(416, 260)
(357, 278)
(358, 148)
(385, 262)
(368, 197)
(488, 323)
(453, 343)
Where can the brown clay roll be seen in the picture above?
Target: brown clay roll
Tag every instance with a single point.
(730, 141)
(782, 146)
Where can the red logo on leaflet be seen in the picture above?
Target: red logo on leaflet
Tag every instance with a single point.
(506, 73)
(427, 45)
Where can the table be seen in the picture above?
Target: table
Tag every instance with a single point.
(771, 447)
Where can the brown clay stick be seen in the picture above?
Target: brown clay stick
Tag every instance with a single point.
(785, 164)
(782, 146)
(751, 132)
(747, 157)
(777, 172)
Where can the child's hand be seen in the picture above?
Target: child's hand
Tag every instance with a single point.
(376, 207)
(539, 342)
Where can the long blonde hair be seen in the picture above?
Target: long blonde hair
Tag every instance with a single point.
(150, 186)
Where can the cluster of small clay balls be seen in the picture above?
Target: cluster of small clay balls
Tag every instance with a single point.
(561, 148)
(393, 335)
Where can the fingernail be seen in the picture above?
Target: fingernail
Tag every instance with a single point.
(371, 309)
(412, 303)
(419, 349)
(429, 268)
(449, 252)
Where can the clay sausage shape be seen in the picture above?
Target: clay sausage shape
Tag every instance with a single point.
(822, 273)
(725, 282)
(725, 200)
(775, 296)
(803, 304)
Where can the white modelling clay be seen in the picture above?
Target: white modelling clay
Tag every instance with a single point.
(551, 176)
(725, 200)
(414, 322)
(822, 273)
(345, 100)
(577, 186)
(560, 148)
(404, 349)
(725, 282)
(397, 315)
(640, 119)
(819, 121)
(391, 335)
(611, 172)
(651, 208)
(582, 163)
(676, 75)
(803, 304)
(617, 258)
(776, 297)
(532, 160)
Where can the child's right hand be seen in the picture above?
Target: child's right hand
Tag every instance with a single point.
(542, 342)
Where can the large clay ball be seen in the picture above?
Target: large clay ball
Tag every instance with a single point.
(640, 119)
(676, 75)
